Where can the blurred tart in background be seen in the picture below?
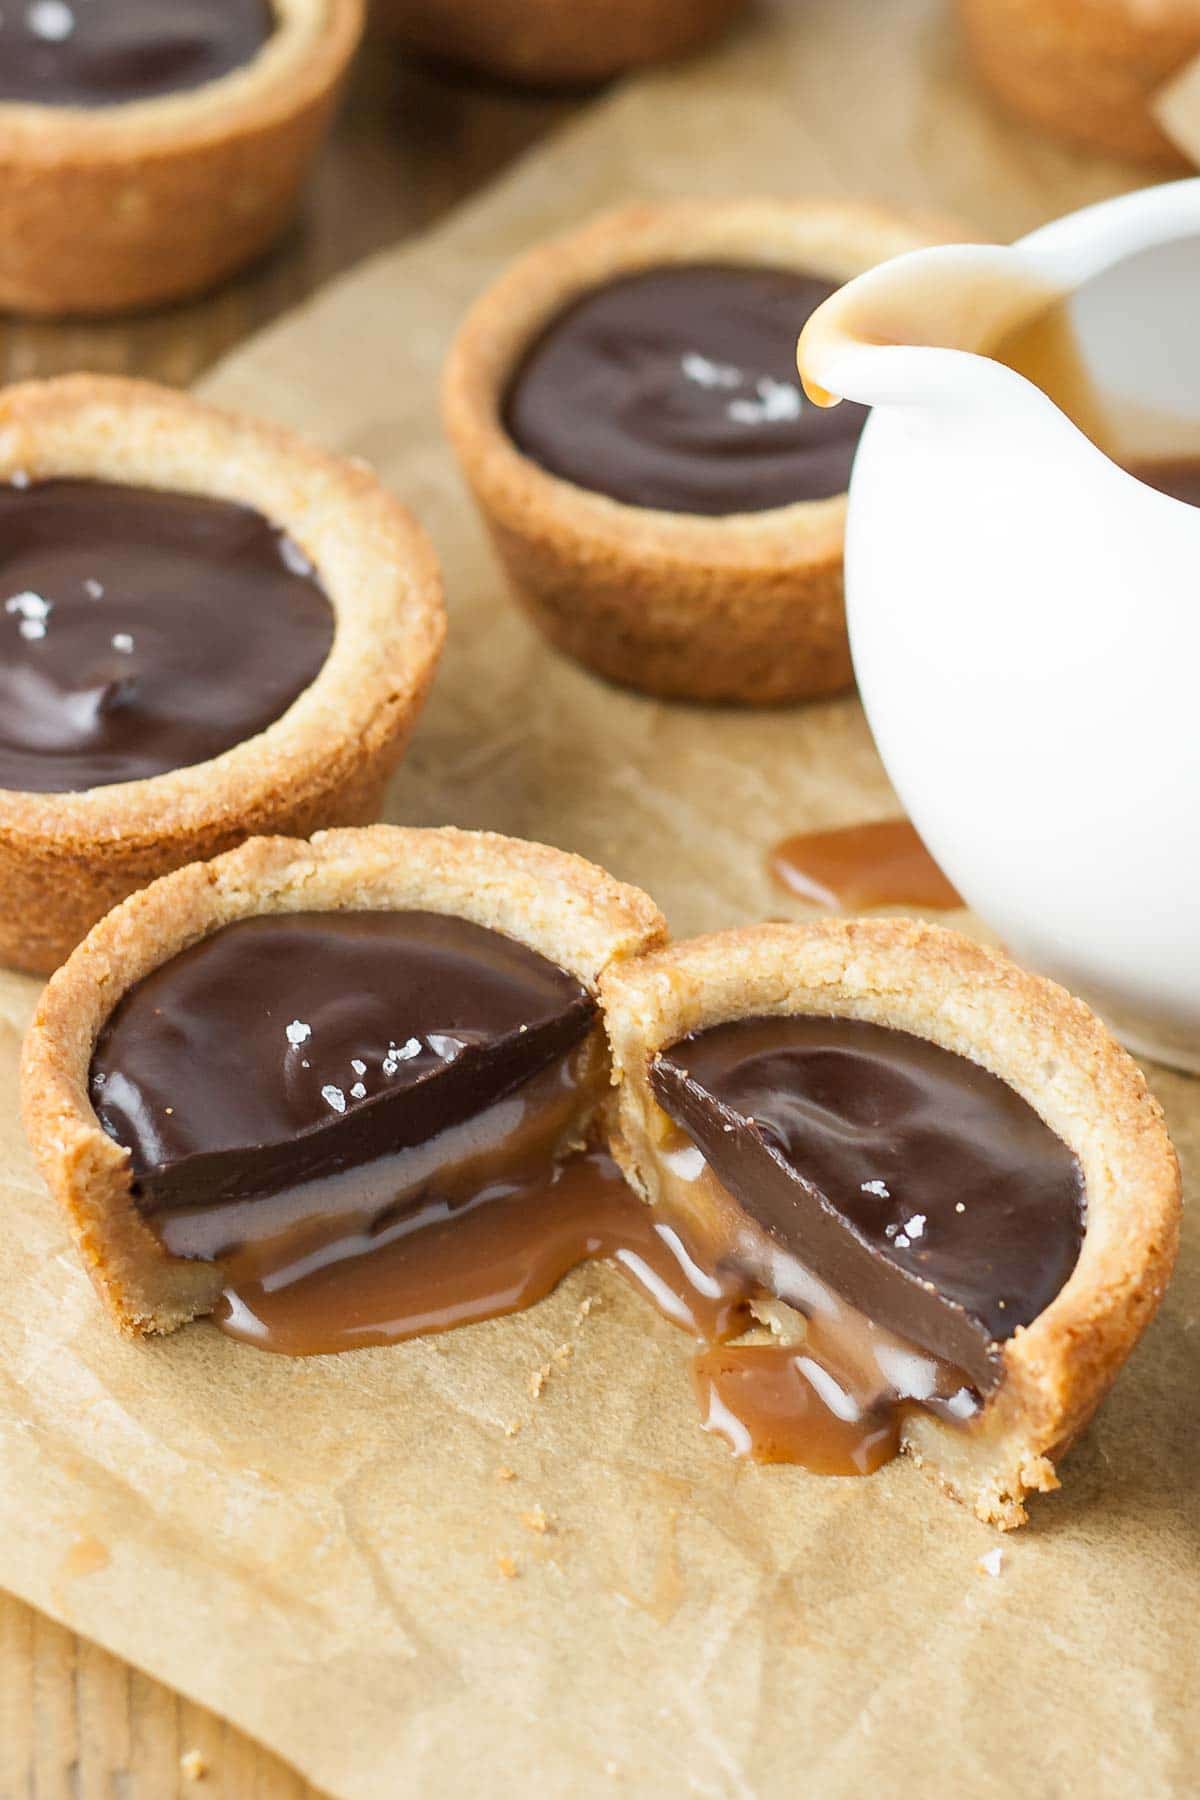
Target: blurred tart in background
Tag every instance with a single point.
(556, 43)
(1086, 70)
(148, 148)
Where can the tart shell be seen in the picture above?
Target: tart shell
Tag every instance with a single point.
(559, 905)
(747, 608)
(1086, 70)
(113, 208)
(1030, 1033)
(546, 43)
(66, 858)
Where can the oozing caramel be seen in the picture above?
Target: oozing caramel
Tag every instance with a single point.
(775, 1404)
(883, 863)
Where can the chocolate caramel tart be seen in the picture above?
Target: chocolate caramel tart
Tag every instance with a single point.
(210, 630)
(544, 43)
(624, 404)
(1086, 72)
(949, 1183)
(148, 148)
(265, 1065)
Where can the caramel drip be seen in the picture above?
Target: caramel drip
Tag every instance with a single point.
(775, 1404)
(437, 1267)
(883, 863)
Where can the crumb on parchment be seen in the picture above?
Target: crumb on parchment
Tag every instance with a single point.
(512, 1428)
(504, 1473)
(585, 1307)
(564, 1353)
(538, 1519)
(991, 1562)
(192, 1766)
(537, 1381)
(506, 1566)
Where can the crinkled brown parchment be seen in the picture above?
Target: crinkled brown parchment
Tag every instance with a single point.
(325, 1551)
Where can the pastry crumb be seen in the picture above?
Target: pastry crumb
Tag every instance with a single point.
(506, 1567)
(538, 1519)
(504, 1473)
(192, 1766)
(991, 1562)
(512, 1428)
(585, 1307)
(537, 1381)
(564, 1353)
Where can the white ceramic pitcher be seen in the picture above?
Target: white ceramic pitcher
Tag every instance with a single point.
(1024, 614)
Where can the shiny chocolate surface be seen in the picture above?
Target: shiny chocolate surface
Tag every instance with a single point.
(677, 389)
(288, 1047)
(920, 1187)
(109, 52)
(144, 631)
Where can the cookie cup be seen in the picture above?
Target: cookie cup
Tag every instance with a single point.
(1086, 70)
(110, 208)
(544, 43)
(746, 608)
(66, 858)
(1031, 1034)
(561, 906)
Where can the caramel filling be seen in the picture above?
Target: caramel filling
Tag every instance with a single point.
(849, 869)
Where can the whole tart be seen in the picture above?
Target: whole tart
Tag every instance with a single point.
(895, 1128)
(1086, 70)
(164, 159)
(337, 677)
(556, 43)
(719, 602)
(554, 922)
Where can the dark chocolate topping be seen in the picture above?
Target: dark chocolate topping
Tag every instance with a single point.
(1177, 476)
(144, 631)
(677, 389)
(106, 52)
(856, 1146)
(294, 1045)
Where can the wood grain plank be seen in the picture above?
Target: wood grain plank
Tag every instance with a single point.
(75, 1723)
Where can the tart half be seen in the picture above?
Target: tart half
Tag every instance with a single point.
(263, 1063)
(942, 1173)
(170, 149)
(211, 630)
(725, 597)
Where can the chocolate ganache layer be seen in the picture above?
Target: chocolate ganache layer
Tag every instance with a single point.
(110, 52)
(677, 389)
(919, 1186)
(144, 631)
(290, 1047)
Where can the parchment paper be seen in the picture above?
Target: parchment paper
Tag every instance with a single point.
(312, 1547)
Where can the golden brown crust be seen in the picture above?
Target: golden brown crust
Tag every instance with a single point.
(107, 209)
(546, 43)
(1046, 1045)
(747, 608)
(65, 859)
(560, 905)
(1086, 70)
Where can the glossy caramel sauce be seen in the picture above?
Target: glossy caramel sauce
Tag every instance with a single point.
(436, 1265)
(883, 863)
(774, 1403)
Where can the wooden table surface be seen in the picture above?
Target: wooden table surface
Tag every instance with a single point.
(75, 1723)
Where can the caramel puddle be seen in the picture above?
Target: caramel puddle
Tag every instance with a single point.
(855, 867)
(775, 1404)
